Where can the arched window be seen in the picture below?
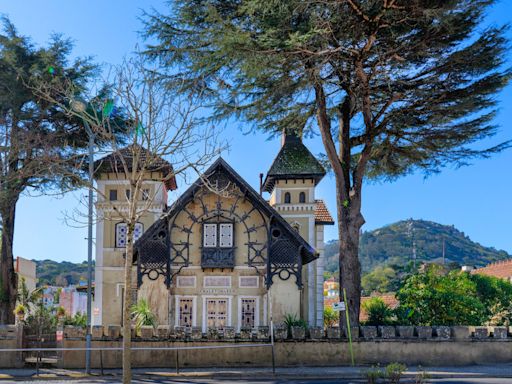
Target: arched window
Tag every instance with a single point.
(302, 197)
(287, 198)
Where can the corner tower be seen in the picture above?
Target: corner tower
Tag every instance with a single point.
(113, 188)
(291, 182)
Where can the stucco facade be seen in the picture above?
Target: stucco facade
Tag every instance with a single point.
(219, 256)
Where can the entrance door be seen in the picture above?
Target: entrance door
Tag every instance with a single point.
(217, 313)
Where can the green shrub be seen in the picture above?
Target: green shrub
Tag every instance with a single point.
(394, 372)
(331, 317)
(379, 313)
(142, 315)
(373, 374)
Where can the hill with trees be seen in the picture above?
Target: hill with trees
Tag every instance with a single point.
(391, 247)
(60, 273)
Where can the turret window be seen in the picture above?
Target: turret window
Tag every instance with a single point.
(302, 197)
(112, 195)
(287, 198)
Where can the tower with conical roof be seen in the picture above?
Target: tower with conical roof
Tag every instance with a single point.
(291, 182)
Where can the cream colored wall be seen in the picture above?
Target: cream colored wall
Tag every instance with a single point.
(286, 299)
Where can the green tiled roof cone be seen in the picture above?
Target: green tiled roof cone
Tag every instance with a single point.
(294, 161)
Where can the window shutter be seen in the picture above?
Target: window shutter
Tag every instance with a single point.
(226, 235)
(210, 235)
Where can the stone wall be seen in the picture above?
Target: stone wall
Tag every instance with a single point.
(10, 337)
(410, 345)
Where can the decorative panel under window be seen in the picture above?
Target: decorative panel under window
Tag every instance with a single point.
(226, 235)
(217, 312)
(248, 313)
(186, 312)
(210, 235)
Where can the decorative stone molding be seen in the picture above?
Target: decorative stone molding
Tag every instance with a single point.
(424, 332)
(262, 333)
(334, 333)
(298, 333)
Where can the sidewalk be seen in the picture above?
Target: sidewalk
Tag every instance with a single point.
(474, 371)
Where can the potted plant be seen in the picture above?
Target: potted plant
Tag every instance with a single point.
(20, 312)
(60, 312)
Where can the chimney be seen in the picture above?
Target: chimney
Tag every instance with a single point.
(290, 135)
(261, 184)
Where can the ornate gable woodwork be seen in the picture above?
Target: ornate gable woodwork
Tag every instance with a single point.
(221, 222)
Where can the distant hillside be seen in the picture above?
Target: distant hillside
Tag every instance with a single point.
(392, 244)
(60, 273)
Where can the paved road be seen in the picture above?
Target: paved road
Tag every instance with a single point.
(158, 380)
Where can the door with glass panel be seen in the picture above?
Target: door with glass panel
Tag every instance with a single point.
(248, 312)
(186, 312)
(217, 313)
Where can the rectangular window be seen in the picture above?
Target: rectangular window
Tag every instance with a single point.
(112, 195)
(248, 312)
(209, 235)
(217, 312)
(127, 194)
(186, 312)
(145, 194)
(226, 235)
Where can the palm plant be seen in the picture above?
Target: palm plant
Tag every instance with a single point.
(142, 315)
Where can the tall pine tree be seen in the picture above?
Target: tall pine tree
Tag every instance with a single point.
(37, 138)
(393, 86)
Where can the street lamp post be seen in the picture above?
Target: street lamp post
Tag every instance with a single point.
(80, 107)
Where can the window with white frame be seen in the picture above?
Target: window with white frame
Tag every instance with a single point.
(185, 312)
(122, 233)
(248, 312)
(217, 312)
(218, 235)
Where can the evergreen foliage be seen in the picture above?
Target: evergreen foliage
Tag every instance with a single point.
(393, 86)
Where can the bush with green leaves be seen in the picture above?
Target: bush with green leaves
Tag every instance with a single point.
(394, 372)
(78, 320)
(331, 317)
(142, 315)
(436, 296)
(291, 320)
(379, 313)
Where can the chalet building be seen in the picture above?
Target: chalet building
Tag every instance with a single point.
(220, 255)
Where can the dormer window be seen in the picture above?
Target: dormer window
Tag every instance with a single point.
(218, 245)
(287, 198)
(302, 197)
(218, 235)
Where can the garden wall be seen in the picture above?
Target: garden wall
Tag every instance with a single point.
(442, 346)
(10, 337)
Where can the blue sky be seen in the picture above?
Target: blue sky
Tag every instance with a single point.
(476, 199)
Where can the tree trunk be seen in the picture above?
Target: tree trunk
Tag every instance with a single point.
(350, 267)
(8, 278)
(127, 328)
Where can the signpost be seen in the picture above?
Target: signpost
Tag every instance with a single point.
(341, 307)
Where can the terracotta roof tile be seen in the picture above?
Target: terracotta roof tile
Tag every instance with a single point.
(501, 269)
(322, 215)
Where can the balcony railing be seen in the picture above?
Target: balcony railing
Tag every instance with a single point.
(218, 258)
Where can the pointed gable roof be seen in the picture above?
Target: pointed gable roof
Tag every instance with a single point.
(308, 252)
(294, 161)
(113, 163)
